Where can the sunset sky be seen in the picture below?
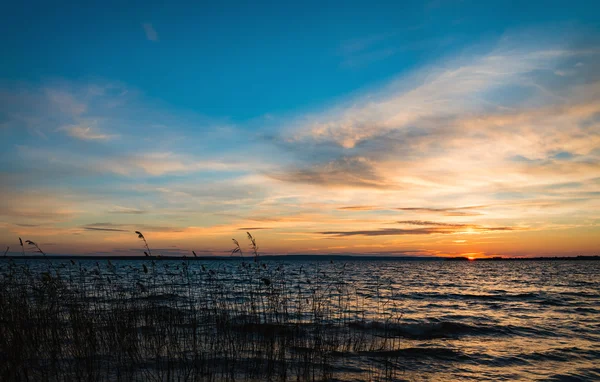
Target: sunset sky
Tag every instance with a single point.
(428, 128)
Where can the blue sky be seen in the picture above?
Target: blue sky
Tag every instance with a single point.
(315, 122)
(242, 60)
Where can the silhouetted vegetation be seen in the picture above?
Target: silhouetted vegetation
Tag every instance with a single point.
(187, 321)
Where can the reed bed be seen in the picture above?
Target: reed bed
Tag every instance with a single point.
(189, 320)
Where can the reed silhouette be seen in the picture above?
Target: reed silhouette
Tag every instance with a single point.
(164, 320)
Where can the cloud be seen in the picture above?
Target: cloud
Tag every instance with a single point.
(86, 133)
(359, 208)
(32, 207)
(151, 34)
(385, 232)
(430, 223)
(112, 227)
(66, 102)
(439, 228)
(370, 49)
(166, 162)
(159, 163)
(126, 210)
(346, 171)
(130, 164)
(458, 87)
(105, 229)
(458, 211)
(447, 131)
(365, 50)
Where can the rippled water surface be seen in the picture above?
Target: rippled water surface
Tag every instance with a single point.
(506, 320)
(497, 320)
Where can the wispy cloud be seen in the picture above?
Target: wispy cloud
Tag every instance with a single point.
(126, 210)
(430, 223)
(104, 229)
(458, 211)
(158, 163)
(112, 227)
(438, 228)
(66, 102)
(151, 34)
(131, 164)
(32, 207)
(86, 133)
(359, 208)
(460, 87)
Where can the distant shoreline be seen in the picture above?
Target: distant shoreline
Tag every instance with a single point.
(301, 257)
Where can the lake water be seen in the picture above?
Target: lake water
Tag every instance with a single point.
(505, 320)
(509, 320)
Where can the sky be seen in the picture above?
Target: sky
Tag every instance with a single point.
(440, 128)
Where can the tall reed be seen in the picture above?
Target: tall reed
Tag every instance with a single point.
(167, 320)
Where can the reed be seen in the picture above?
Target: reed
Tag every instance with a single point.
(141, 236)
(190, 321)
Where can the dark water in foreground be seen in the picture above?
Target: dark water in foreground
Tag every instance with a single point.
(497, 321)
(512, 321)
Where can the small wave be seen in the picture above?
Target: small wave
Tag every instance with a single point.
(587, 310)
(473, 296)
(512, 360)
(580, 294)
(419, 352)
(582, 375)
(566, 354)
(442, 329)
(549, 301)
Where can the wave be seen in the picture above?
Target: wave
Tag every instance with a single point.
(472, 296)
(558, 299)
(580, 294)
(587, 310)
(581, 375)
(560, 355)
(564, 354)
(419, 352)
(443, 329)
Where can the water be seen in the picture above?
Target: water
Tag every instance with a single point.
(508, 320)
(537, 320)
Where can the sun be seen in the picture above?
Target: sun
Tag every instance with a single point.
(471, 258)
